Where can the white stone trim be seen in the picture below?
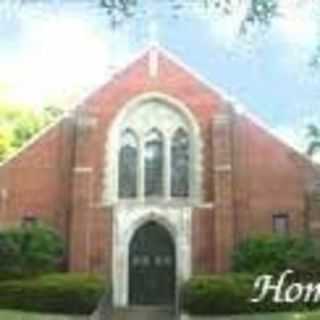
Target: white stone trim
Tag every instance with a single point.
(110, 194)
(4, 194)
(127, 220)
(223, 168)
(221, 120)
(82, 169)
(86, 121)
(3, 203)
(153, 62)
(315, 225)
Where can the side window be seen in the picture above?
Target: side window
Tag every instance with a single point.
(280, 223)
(128, 165)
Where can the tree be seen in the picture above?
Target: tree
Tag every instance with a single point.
(51, 112)
(5, 142)
(18, 124)
(259, 13)
(313, 135)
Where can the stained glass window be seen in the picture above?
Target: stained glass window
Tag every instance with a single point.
(180, 159)
(153, 163)
(128, 164)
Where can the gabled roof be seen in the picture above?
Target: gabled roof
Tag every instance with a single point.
(154, 53)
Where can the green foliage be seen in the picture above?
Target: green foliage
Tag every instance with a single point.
(313, 136)
(217, 294)
(274, 254)
(55, 293)
(260, 11)
(315, 61)
(231, 294)
(263, 11)
(26, 124)
(6, 139)
(29, 250)
(18, 124)
(50, 113)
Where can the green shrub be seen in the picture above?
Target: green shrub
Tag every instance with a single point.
(275, 254)
(55, 293)
(29, 250)
(217, 294)
(229, 294)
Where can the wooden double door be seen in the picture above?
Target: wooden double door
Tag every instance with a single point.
(152, 266)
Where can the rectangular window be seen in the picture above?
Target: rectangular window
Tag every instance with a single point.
(281, 223)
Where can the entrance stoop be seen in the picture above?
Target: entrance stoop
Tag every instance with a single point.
(144, 313)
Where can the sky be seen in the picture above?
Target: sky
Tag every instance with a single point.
(58, 53)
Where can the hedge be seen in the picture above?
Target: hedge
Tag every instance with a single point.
(229, 294)
(270, 254)
(55, 293)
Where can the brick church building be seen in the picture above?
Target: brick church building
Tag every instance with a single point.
(155, 177)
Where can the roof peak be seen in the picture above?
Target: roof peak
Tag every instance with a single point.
(154, 50)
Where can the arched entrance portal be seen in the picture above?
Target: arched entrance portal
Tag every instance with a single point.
(152, 266)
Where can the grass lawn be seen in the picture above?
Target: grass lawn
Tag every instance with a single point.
(276, 316)
(16, 315)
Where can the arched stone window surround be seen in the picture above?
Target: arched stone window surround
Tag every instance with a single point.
(110, 195)
(176, 221)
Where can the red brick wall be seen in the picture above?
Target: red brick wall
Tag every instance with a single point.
(37, 180)
(105, 104)
(268, 180)
(62, 171)
(101, 235)
(203, 248)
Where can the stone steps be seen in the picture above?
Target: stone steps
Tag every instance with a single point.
(144, 313)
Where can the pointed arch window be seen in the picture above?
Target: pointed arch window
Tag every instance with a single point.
(180, 162)
(153, 163)
(158, 156)
(128, 164)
